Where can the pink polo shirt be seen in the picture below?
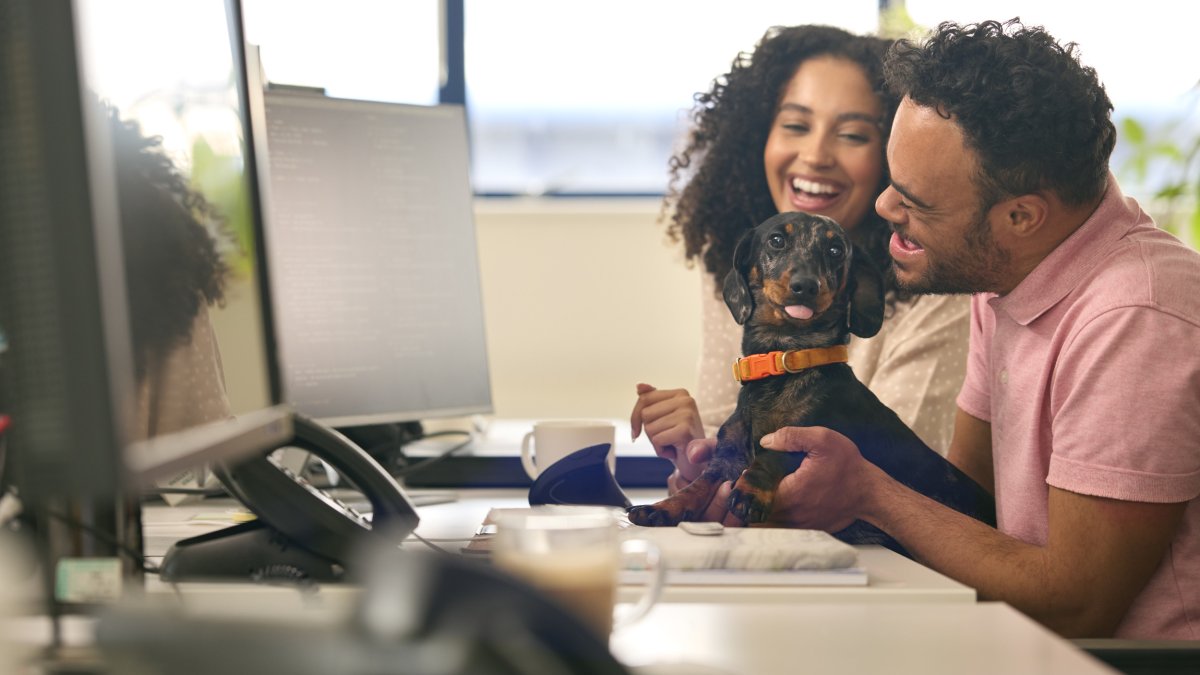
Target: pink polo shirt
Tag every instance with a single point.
(1089, 373)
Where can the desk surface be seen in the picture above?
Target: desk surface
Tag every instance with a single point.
(736, 639)
(908, 619)
(891, 577)
(981, 639)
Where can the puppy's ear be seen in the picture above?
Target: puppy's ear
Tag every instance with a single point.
(737, 284)
(866, 295)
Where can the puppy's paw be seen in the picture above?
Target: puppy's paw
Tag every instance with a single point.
(654, 515)
(750, 505)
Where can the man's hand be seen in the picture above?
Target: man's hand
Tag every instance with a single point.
(1099, 553)
(829, 489)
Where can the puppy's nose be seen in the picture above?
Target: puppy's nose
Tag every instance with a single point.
(805, 285)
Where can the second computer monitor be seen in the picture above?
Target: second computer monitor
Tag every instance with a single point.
(373, 257)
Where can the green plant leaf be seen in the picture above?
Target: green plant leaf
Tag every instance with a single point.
(1133, 131)
(1172, 191)
(220, 179)
(1167, 150)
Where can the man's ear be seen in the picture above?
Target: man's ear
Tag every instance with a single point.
(1024, 215)
(866, 295)
(737, 283)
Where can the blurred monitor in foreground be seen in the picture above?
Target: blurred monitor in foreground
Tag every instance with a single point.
(174, 100)
(138, 337)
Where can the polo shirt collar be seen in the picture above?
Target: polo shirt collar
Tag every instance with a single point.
(1072, 260)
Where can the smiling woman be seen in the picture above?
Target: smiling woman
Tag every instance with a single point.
(823, 151)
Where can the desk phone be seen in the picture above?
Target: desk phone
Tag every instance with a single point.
(301, 531)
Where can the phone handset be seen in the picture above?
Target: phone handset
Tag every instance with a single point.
(309, 516)
(302, 532)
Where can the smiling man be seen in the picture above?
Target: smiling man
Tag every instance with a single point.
(1081, 405)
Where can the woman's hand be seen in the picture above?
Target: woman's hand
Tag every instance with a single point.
(672, 422)
(690, 464)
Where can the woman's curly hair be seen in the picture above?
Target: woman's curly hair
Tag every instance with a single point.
(1035, 116)
(172, 264)
(725, 188)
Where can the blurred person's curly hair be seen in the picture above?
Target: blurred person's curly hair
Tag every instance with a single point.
(173, 267)
(1036, 117)
(724, 185)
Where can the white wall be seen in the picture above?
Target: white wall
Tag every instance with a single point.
(583, 299)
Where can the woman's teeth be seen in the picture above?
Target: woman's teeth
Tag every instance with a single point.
(810, 187)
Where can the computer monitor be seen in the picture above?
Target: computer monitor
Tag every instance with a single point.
(372, 251)
(200, 314)
(133, 281)
(61, 290)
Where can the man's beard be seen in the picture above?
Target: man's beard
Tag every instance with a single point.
(978, 267)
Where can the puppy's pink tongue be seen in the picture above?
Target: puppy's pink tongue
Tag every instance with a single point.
(798, 311)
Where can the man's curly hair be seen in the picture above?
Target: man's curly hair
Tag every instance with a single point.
(1036, 117)
(172, 264)
(726, 189)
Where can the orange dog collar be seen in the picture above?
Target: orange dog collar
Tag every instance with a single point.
(758, 366)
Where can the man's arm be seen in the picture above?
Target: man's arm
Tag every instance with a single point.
(971, 449)
(1099, 555)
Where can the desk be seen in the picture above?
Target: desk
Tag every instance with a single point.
(892, 578)
(763, 639)
(908, 620)
(753, 639)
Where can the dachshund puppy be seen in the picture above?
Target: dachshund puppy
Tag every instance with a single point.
(800, 289)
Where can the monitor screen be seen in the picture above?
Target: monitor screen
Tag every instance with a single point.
(166, 87)
(371, 243)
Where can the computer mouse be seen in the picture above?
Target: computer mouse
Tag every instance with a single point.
(581, 477)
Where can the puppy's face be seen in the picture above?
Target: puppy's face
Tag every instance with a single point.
(798, 272)
(802, 266)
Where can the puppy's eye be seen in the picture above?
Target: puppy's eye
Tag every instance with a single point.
(775, 241)
(837, 252)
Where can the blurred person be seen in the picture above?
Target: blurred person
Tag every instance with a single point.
(173, 273)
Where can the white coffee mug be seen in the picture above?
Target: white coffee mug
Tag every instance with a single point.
(574, 554)
(552, 440)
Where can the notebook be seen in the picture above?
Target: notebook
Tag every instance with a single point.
(737, 556)
(748, 548)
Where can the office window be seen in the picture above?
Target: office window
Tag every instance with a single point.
(563, 97)
(576, 98)
(374, 50)
(591, 97)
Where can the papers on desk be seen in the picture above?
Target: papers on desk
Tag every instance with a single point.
(748, 548)
(847, 576)
(739, 556)
(756, 556)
